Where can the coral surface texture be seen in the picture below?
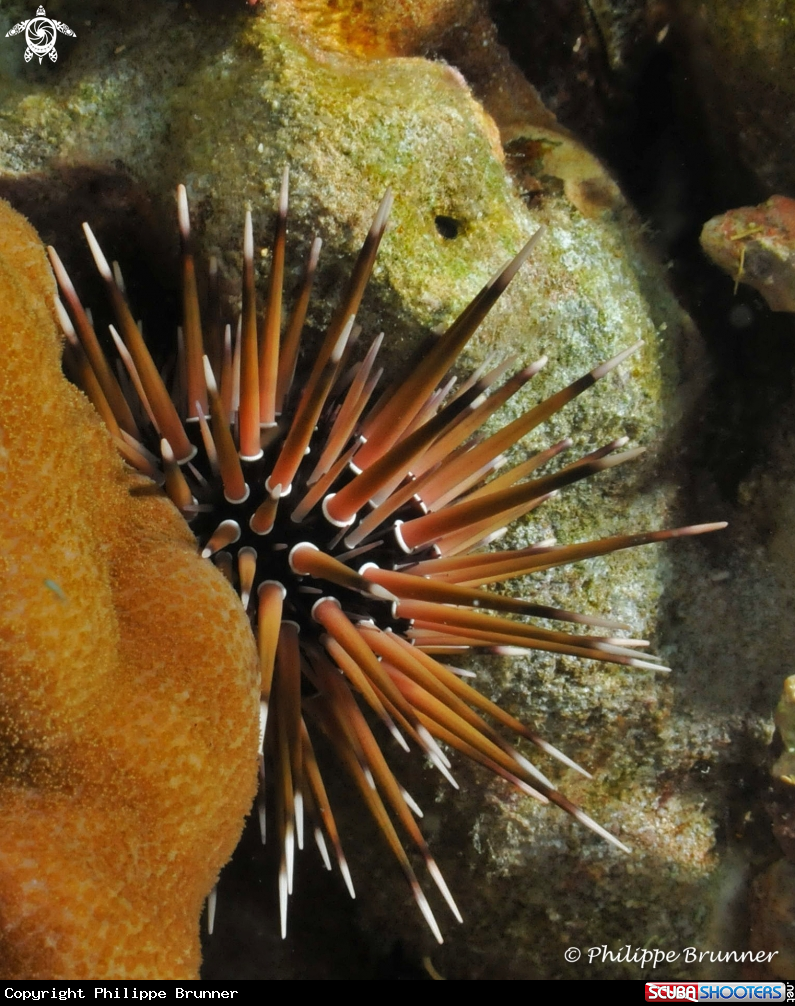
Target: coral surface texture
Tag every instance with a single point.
(125, 768)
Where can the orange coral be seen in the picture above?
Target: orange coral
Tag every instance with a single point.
(128, 719)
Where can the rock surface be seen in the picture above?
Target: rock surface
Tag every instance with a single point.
(164, 94)
(756, 245)
(739, 58)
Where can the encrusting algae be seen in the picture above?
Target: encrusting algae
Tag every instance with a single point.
(128, 724)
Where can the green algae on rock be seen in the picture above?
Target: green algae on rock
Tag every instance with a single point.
(224, 104)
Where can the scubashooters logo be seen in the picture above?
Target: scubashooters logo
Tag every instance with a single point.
(40, 34)
(716, 991)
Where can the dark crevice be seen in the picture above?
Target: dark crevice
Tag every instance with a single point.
(447, 227)
(644, 120)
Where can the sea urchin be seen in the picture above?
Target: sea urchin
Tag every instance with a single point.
(292, 477)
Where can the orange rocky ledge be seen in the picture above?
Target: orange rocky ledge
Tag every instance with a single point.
(128, 718)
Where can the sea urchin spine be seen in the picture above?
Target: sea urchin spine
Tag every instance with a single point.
(287, 483)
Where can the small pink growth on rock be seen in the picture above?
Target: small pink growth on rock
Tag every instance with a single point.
(756, 245)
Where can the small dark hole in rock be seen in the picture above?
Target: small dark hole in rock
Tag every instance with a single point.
(447, 227)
